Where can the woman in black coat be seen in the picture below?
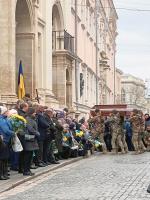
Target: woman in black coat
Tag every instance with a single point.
(31, 143)
(4, 155)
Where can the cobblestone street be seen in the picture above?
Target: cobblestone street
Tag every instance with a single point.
(102, 177)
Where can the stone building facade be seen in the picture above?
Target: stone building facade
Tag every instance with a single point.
(118, 86)
(67, 49)
(26, 33)
(133, 92)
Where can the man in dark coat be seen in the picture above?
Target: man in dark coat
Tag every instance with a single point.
(51, 132)
(22, 111)
(30, 141)
(43, 126)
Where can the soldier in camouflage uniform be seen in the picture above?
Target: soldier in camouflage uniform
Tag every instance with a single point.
(147, 132)
(117, 132)
(136, 129)
(98, 127)
(147, 140)
(121, 136)
(115, 129)
(142, 133)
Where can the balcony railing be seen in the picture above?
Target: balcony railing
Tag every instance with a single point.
(62, 40)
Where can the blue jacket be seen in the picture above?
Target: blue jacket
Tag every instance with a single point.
(5, 129)
(127, 127)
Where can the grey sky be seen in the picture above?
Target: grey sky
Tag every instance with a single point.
(133, 42)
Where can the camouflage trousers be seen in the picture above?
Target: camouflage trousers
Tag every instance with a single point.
(101, 137)
(118, 140)
(141, 144)
(114, 141)
(148, 146)
(137, 142)
(121, 142)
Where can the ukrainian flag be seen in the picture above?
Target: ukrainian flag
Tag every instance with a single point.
(21, 87)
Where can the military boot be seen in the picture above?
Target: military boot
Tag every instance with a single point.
(115, 151)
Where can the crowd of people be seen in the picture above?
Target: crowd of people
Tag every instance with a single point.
(121, 133)
(33, 135)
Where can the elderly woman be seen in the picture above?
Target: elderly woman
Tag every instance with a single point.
(6, 133)
(14, 156)
(31, 143)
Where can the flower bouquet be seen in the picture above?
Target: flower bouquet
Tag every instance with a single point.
(18, 123)
(79, 133)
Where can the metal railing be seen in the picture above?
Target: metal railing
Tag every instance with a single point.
(62, 40)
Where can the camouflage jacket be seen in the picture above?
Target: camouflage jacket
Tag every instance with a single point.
(136, 123)
(142, 124)
(98, 124)
(147, 137)
(114, 124)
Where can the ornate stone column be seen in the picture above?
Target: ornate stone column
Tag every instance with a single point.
(7, 51)
(49, 96)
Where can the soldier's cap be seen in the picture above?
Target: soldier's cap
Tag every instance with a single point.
(114, 112)
(135, 111)
(97, 110)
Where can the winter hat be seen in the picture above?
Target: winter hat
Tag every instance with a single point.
(49, 110)
(12, 112)
(66, 126)
(72, 125)
(60, 115)
(3, 110)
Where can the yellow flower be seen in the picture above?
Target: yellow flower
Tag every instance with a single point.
(64, 139)
(79, 134)
(19, 118)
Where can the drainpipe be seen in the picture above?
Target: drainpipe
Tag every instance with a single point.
(96, 57)
(114, 75)
(76, 49)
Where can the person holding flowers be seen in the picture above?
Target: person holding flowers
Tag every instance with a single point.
(19, 125)
(22, 111)
(6, 133)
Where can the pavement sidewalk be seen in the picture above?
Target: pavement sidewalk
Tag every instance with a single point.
(17, 179)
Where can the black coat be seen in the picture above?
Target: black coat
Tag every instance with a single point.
(51, 131)
(4, 151)
(43, 126)
(31, 130)
(21, 113)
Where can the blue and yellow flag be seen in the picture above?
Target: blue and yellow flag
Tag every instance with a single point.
(21, 87)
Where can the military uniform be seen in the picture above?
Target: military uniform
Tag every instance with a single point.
(98, 127)
(147, 139)
(121, 138)
(141, 134)
(118, 137)
(115, 129)
(136, 128)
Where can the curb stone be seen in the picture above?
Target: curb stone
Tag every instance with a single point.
(61, 165)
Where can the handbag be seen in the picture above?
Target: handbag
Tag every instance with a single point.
(29, 138)
(16, 144)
